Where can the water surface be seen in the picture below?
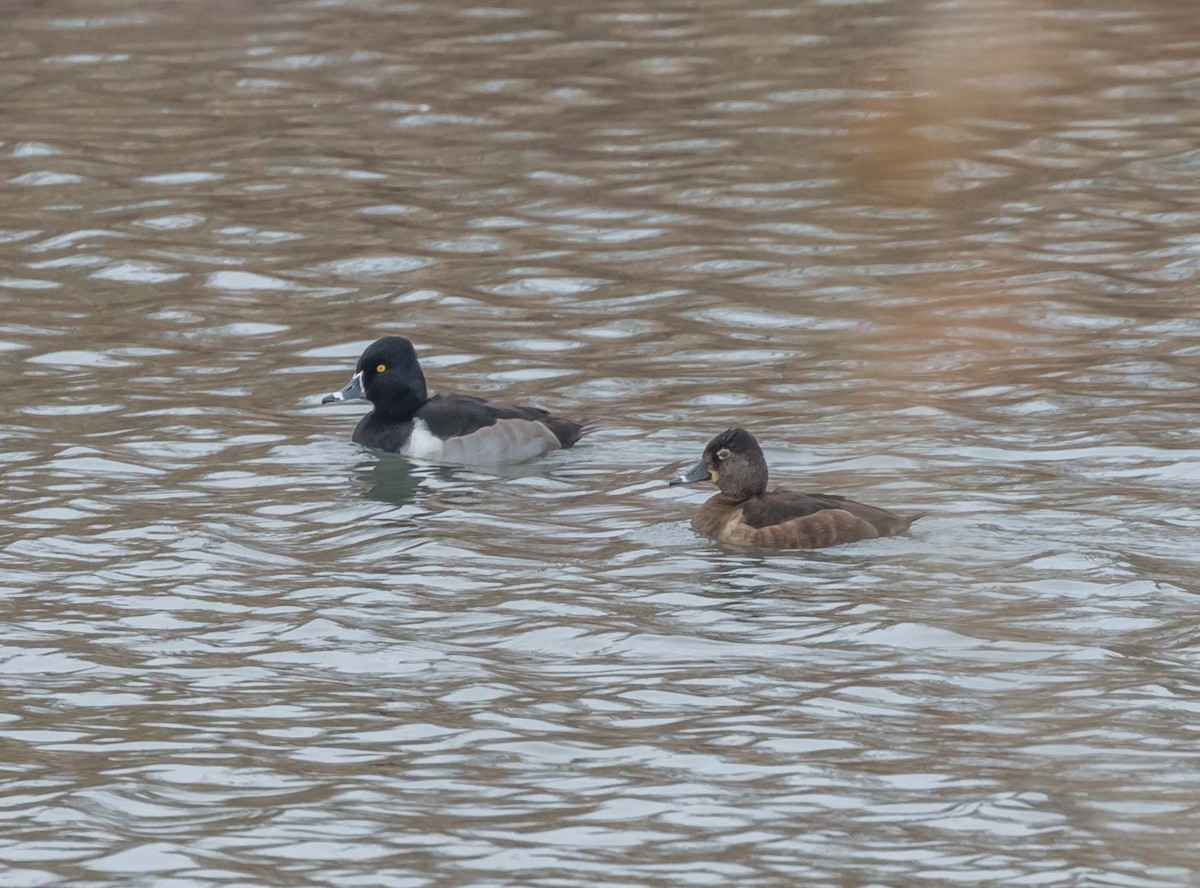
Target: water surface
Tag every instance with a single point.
(938, 256)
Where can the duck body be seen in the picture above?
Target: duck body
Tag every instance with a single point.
(746, 513)
(443, 428)
(784, 519)
(462, 429)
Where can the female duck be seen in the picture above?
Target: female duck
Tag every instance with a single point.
(447, 428)
(744, 512)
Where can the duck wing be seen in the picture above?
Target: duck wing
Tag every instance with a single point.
(454, 415)
(781, 506)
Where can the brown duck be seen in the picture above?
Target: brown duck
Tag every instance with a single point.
(746, 513)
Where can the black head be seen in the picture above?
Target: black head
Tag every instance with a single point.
(389, 376)
(735, 463)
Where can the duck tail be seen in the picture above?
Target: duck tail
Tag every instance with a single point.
(566, 431)
(907, 521)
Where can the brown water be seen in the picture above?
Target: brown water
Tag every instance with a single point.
(939, 256)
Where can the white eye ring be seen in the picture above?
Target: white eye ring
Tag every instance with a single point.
(723, 453)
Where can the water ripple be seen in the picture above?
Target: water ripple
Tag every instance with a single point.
(951, 276)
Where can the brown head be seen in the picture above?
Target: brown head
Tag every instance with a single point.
(734, 462)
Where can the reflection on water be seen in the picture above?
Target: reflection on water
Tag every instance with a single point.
(388, 478)
(936, 256)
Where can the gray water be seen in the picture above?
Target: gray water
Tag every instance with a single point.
(938, 256)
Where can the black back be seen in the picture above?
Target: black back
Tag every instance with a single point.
(452, 415)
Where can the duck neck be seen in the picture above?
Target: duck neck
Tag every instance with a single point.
(743, 482)
(401, 408)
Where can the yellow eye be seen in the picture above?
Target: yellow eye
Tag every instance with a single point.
(723, 453)
(381, 368)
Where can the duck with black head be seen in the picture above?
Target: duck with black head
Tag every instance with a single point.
(444, 428)
(746, 513)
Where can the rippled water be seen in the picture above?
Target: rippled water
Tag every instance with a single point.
(939, 256)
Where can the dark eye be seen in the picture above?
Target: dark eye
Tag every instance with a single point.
(723, 453)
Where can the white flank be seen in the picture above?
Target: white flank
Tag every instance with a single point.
(422, 443)
(508, 441)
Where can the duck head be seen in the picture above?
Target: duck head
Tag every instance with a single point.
(387, 375)
(734, 462)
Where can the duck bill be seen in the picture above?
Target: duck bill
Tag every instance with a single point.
(696, 473)
(351, 391)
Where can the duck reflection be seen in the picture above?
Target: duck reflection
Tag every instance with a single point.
(389, 479)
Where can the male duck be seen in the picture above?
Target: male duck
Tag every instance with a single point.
(447, 428)
(745, 513)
